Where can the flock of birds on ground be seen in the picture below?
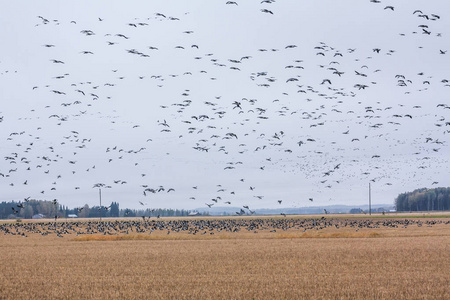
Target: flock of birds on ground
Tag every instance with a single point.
(204, 226)
(321, 130)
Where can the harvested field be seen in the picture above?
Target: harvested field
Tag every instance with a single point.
(410, 261)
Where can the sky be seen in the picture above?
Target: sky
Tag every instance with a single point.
(184, 104)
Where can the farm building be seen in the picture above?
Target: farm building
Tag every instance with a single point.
(38, 216)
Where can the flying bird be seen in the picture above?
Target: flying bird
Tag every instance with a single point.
(267, 11)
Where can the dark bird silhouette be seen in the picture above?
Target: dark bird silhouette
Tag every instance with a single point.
(122, 36)
(267, 11)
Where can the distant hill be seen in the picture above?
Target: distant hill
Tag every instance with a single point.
(335, 209)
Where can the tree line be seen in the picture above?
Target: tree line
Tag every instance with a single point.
(50, 209)
(424, 200)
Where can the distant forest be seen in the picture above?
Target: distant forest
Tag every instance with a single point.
(424, 200)
(30, 208)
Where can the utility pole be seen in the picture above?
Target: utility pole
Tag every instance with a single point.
(100, 194)
(55, 203)
(370, 202)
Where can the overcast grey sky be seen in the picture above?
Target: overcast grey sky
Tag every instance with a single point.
(247, 103)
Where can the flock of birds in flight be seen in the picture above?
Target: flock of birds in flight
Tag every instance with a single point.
(241, 132)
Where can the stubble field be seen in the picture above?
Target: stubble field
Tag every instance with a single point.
(280, 258)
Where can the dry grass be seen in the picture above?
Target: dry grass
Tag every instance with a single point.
(136, 237)
(381, 263)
